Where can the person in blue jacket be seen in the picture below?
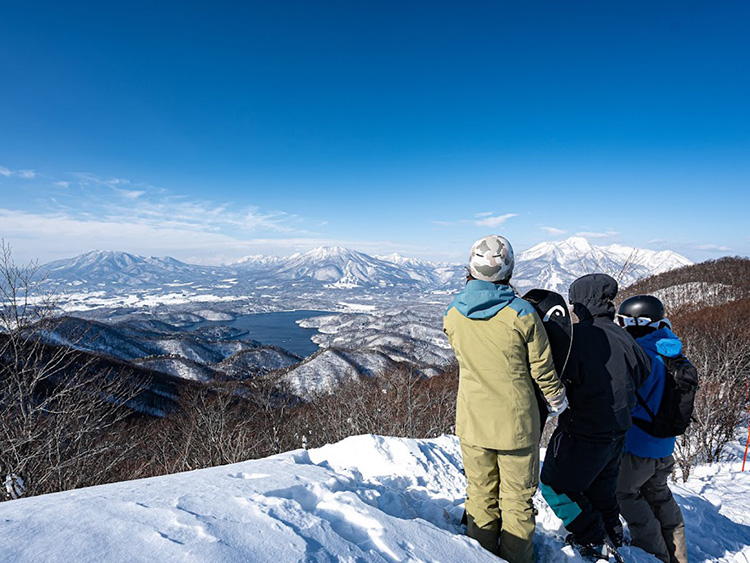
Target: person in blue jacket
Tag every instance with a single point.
(653, 516)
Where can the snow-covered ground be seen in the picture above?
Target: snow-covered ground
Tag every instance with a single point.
(367, 498)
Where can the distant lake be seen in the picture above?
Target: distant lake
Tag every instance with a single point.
(276, 329)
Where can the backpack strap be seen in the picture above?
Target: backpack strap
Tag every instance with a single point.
(644, 405)
(641, 400)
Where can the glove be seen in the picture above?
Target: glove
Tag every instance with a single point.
(557, 404)
(554, 412)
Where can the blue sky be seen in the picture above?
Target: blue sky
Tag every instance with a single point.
(210, 131)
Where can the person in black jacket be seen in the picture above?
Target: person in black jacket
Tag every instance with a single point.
(606, 365)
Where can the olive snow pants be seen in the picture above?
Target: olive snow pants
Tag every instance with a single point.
(579, 482)
(502, 482)
(653, 516)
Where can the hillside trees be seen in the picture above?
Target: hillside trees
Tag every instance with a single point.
(222, 424)
(717, 342)
(691, 288)
(57, 409)
(397, 403)
(709, 304)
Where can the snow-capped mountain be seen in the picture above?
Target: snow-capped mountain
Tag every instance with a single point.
(550, 265)
(555, 265)
(436, 274)
(257, 261)
(335, 266)
(384, 311)
(111, 267)
(396, 258)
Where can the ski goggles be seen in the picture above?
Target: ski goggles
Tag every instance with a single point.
(625, 321)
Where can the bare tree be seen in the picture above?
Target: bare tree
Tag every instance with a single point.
(56, 405)
(717, 342)
(397, 403)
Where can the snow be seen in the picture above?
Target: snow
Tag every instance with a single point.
(108, 280)
(211, 315)
(554, 265)
(356, 307)
(366, 498)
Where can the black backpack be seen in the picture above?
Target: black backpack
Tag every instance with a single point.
(676, 408)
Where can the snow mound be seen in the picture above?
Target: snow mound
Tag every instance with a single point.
(366, 498)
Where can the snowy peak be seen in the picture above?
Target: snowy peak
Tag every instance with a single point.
(113, 260)
(333, 253)
(257, 261)
(105, 267)
(342, 267)
(555, 265)
(396, 258)
(573, 246)
(579, 243)
(551, 265)
(99, 259)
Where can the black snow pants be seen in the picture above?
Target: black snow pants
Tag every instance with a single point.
(579, 482)
(652, 513)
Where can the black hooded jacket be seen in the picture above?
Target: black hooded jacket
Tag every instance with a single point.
(605, 367)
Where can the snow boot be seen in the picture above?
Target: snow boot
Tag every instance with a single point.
(616, 535)
(589, 551)
(596, 552)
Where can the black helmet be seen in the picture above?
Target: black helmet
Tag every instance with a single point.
(642, 314)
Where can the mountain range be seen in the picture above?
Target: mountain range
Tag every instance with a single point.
(385, 310)
(550, 265)
(555, 265)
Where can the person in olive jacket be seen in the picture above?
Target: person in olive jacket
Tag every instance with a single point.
(581, 466)
(502, 349)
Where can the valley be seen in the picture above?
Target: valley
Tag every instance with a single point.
(316, 319)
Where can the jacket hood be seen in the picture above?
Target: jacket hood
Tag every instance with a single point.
(592, 295)
(482, 299)
(662, 341)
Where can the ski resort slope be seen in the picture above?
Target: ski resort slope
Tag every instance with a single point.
(367, 498)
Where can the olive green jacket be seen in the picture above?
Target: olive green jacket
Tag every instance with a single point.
(501, 345)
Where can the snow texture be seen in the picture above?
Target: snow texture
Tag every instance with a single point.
(365, 499)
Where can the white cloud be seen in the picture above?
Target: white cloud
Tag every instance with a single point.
(62, 235)
(589, 234)
(83, 211)
(493, 222)
(88, 179)
(50, 236)
(553, 231)
(129, 194)
(120, 214)
(90, 197)
(714, 247)
(25, 174)
(484, 219)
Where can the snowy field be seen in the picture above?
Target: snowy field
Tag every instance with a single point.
(367, 498)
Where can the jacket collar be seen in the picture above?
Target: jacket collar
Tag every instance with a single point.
(482, 299)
